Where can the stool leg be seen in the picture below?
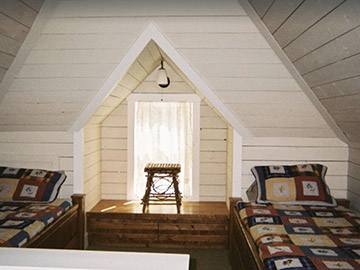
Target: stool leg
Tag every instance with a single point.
(147, 192)
(177, 194)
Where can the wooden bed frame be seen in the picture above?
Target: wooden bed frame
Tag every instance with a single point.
(242, 249)
(67, 231)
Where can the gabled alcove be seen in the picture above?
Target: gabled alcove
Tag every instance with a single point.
(138, 65)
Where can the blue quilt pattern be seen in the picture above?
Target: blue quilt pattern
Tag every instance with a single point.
(291, 237)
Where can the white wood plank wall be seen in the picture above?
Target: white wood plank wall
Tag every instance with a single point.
(354, 176)
(288, 151)
(83, 41)
(42, 150)
(16, 19)
(213, 135)
(92, 165)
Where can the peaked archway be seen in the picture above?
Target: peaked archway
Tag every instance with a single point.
(141, 60)
(178, 63)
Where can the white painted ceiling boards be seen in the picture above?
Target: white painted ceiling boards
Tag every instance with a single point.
(81, 43)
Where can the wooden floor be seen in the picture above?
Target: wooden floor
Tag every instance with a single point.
(122, 223)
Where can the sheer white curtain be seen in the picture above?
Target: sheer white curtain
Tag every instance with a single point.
(163, 134)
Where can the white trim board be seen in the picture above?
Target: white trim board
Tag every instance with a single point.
(152, 33)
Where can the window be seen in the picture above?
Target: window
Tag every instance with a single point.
(163, 129)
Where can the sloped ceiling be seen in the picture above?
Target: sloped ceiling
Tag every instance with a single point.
(322, 40)
(82, 42)
(16, 19)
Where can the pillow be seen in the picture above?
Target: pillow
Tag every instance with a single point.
(298, 184)
(29, 185)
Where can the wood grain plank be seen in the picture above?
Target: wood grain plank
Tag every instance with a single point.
(12, 29)
(8, 45)
(221, 56)
(128, 24)
(34, 4)
(218, 40)
(253, 84)
(262, 6)
(279, 12)
(19, 12)
(309, 13)
(339, 49)
(293, 132)
(140, 8)
(339, 88)
(5, 60)
(86, 56)
(325, 30)
(343, 69)
(66, 70)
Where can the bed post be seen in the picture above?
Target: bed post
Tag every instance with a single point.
(79, 199)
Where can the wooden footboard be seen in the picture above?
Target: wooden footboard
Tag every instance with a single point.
(242, 249)
(67, 231)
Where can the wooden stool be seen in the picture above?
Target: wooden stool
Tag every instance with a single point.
(157, 174)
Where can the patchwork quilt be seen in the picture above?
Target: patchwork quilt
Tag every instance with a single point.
(19, 222)
(304, 237)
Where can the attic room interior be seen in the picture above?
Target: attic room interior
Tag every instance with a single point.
(262, 103)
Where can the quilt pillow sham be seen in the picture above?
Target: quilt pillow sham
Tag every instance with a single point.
(302, 184)
(29, 185)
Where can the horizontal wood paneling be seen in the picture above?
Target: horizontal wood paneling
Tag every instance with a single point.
(92, 165)
(16, 19)
(279, 151)
(321, 39)
(139, 8)
(42, 150)
(212, 146)
(309, 13)
(279, 11)
(219, 41)
(326, 29)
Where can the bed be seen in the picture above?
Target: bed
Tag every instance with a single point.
(31, 215)
(293, 231)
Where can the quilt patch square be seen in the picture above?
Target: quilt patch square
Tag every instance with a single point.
(29, 190)
(353, 252)
(311, 240)
(8, 172)
(261, 230)
(14, 224)
(7, 188)
(276, 250)
(304, 221)
(288, 263)
(293, 229)
(309, 188)
(34, 228)
(255, 220)
(340, 231)
(334, 264)
(331, 222)
(280, 189)
(293, 213)
(325, 213)
(324, 252)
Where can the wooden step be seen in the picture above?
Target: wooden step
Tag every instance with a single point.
(195, 230)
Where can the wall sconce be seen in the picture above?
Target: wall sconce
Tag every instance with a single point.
(162, 78)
